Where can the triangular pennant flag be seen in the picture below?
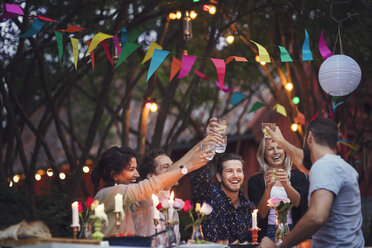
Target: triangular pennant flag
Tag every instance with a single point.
(187, 62)
(306, 52)
(98, 38)
(338, 104)
(59, 44)
(300, 118)
(256, 106)
(284, 55)
(127, 50)
(71, 29)
(175, 67)
(42, 18)
(150, 51)
(115, 39)
(280, 109)
(124, 36)
(323, 49)
(224, 89)
(236, 58)
(201, 75)
(262, 53)
(34, 29)
(75, 50)
(91, 55)
(133, 35)
(13, 8)
(237, 97)
(315, 116)
(221, 69)
(156, 60)
(107, 51)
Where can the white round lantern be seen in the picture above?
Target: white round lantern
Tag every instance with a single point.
(339, 75)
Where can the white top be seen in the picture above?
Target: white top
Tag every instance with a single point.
(278, 191)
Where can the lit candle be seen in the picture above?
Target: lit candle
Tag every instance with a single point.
(155, 202)
(254, 219)
(75, 214)
(118, 202)
(171, 209)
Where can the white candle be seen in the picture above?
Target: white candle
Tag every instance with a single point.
(118, 202)
(171, 209)
(155, 202)
(75, 214)
(254, 219)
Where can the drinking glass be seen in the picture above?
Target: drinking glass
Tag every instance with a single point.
(210, 148)
(222, 124)
(221, 147)
(273, 173)
(271, 125)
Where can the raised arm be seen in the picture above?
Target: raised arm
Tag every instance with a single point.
(295, 154)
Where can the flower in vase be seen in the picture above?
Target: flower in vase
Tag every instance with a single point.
(178, 203)
(187, 206)
(281, 205)
(84, 209)
(200, 211)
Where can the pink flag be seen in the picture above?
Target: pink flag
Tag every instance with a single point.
(221, 68)
(107, 51)
(117, 43)
(224, 89)
(13, 8)
(187, 62)
(323, 49)
(42, 18)
(201, 75)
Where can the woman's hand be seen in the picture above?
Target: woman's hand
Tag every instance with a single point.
(269, 180)
(282, 177)
(276, 134)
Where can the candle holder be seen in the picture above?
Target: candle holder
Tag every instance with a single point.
(254, 235)
(76, 231)
(117, 222)
(97, 235)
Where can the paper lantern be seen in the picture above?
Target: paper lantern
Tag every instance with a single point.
(339, 75)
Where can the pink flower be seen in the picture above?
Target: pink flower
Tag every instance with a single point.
(187, 206)
(165, 202)
(159, 206)
(89, 201)
(178, 203)
(80, 206)
(206, 209)
(275, 201)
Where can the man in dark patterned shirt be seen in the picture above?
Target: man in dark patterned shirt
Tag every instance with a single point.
(231, 215)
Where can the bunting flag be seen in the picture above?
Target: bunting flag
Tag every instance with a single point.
(224, 89)
(236, 58)
(221, 69)
(59, 44)
(150, 51)
(107, 51)
(280, 109)
(34, 29)
(13, 8)
(338, 104)
(262, 53)
(115, 39)
(187, 62)
(315, 116)
(124, 36)
(127, 50)
(201, 75)
(91, 55)
(98, 38)
(306, 52)
(42, 18)
(175, 68)
(133, 35)
(237, 97)
(323, 49)
(300, 118)
(71, 29)
(347, 143)
(156, 60)
(256, 106)
(284, 55)
(75, 50)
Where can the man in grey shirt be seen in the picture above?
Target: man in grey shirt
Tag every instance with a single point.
(334, 216)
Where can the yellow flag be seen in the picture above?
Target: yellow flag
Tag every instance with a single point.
(96, 40)
(150, 51)
(75, 50)
(280, 109)
(262, 52)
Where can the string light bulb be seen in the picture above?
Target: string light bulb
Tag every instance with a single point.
(289, 86)
(62, 176)
(172, 16)
(86, 169)
(178, 15)
(294, 127)
(50, 172)
(193, 14)
(212, 9)
(296, 100)
(37, 177)
(230, 39)
(16, 178)
(154, 107)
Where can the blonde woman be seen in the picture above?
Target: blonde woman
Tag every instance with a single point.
(276, 179)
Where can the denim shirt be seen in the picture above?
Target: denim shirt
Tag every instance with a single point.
(225, 222)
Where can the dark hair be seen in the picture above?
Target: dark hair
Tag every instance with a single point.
(325, 132)
(148, 164)
(112, 161)
(226, 157)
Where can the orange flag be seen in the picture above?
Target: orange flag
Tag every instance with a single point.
(91, 55)
(236, 58)
(300, 118)
(175, 68)
(71, 29)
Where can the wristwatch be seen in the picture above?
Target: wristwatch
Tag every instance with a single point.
(184, 170)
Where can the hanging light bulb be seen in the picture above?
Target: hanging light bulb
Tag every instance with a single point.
(154, 107)
(187, 29)
(172, 16)
(37, 177)
(212, 9)
(289, 86)
(296, 100)
(62, 176)
(193, 15)
(86, 169)
(178, 15)
(16, 178)
(294, 127)
(148, 105)
(49, 172)
(230, 39)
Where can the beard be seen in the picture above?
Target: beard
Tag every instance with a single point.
(306, 161)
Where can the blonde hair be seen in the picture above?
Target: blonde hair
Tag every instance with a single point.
(287, 163)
